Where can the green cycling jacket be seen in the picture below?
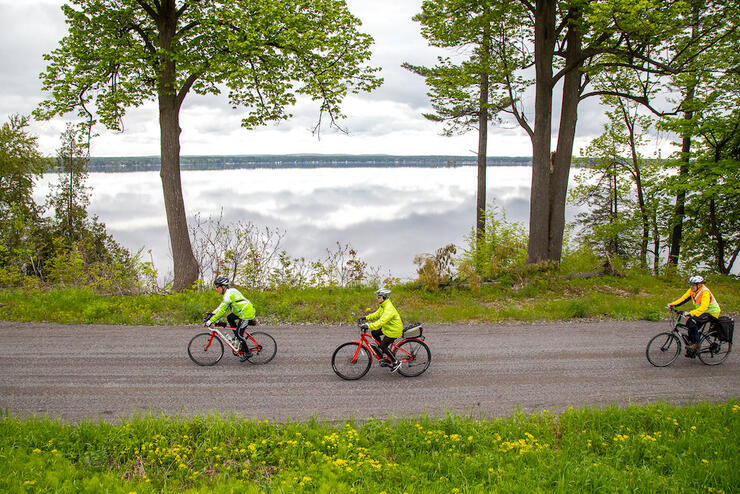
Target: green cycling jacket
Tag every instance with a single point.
(237, 303)
(387, 319)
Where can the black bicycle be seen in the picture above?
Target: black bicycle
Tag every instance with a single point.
(664, 348)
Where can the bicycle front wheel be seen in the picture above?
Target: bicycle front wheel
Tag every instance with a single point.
(205, 349)
(414, 356)
(263, 347)
(351, 361)
(713, 351)
(663, 349)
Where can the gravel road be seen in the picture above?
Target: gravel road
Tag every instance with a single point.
(78, 372)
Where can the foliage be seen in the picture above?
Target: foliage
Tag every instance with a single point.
(252, 257)
(650, 448)
(436, 269)
(67, 248)
(20, 165)
(267, 54)
(502, 249)
(522, 296)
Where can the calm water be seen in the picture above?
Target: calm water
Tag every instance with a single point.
(389, 215)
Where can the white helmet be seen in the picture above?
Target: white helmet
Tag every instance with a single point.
(695, 280)
(384, 293)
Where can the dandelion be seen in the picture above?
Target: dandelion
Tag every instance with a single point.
(29, 482)
(693, 427)
(37, 450)
(705, 461)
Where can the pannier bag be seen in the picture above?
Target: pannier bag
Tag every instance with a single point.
(725, 328)
(413, 330)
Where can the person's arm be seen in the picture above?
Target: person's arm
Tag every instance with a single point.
(374, 315)
(382, 320)
(220, 310)
(681, 300)
(705, 299)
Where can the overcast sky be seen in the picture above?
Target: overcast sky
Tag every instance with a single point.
(388, 121)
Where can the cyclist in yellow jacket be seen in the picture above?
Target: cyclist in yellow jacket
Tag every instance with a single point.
(240, 311)
(385, 325)
(706, 309)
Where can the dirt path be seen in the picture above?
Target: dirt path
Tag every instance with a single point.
(105, 372)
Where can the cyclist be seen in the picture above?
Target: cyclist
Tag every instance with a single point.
(241, 309)
(706, 309)
(386, 323)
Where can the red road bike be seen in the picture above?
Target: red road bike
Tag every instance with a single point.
(208, 348)
(352, 360)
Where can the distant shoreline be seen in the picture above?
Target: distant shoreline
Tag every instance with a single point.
(152, 163)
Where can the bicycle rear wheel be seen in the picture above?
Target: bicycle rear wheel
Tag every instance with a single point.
(414, 356)
(205, 349)
(350, 361)
(663, 349)
(263, 347)
(712, 350)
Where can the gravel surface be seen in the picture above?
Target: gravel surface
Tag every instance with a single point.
(79, 372)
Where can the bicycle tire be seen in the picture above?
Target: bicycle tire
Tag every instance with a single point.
(204, 350)
(263, 347)
(712, 350)
(663, 349)
(346, 366)
(415, 357)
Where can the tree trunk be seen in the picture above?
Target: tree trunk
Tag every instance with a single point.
(538, 249)
(550, 172)
(480, 213)
(185, 265)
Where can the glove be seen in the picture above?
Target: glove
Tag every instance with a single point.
(208, 324)
(364, 326)
(361, 320)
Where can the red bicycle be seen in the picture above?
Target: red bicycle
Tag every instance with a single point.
(352, 360)
(208, 348)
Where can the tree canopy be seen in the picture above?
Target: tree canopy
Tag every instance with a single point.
(264, 53)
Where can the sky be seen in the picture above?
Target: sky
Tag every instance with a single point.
(387, 121)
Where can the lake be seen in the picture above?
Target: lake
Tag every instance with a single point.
(389, 215)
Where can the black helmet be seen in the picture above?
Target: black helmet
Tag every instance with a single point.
(221, 281)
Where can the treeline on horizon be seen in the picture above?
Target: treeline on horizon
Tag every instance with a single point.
(152, 163)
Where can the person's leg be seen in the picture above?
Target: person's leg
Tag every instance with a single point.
(385, 345)
(233, 320)
(378, 335)
(240, 336)
(694, 323)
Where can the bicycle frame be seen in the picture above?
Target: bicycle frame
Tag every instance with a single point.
(224, 339)
(365, 342)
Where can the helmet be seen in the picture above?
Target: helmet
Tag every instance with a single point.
(383, 292)
(221, 281)
(696, 279)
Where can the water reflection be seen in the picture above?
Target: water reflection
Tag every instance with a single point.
(388, 215)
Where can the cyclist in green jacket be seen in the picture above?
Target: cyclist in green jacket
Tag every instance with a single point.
(706, 309)
(241, 309)
(385, 325)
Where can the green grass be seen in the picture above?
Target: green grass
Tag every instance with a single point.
(656, 448)
(635, 296)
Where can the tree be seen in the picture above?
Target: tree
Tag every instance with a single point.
(20, 165)
(459, 91)
(70, 198)
(565, 45)
(267, 53)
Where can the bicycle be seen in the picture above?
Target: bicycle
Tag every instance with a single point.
(207, 348)
(352, 360)
(664, 348)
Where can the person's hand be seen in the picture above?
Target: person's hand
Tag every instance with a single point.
(669, 306)
(361, 320)
(207, 324)
(364, 326)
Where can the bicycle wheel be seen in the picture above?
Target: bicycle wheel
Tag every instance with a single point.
(263, 347)
(712, 350)
(663, 349)
(350, 362)
(414, 356)
(205, 349)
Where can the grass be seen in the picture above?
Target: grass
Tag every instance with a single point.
(655, 448)
(635, 297)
